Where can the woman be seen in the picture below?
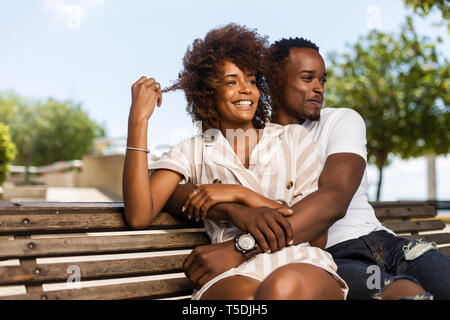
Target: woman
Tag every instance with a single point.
(246, 160)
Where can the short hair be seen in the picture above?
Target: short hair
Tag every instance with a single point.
(283, 46)
(202, 68)
(276, 75)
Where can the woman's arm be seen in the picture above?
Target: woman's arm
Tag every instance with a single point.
(253, 199)
(143, 197)
(206, 196)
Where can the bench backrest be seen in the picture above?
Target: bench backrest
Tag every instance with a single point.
(47, 247)
(412, 220)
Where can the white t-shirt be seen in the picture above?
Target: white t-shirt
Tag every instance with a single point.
(343, 130)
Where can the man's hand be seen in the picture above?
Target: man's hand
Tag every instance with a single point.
(208, 261)
(271, 229)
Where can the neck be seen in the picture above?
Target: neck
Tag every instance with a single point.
(226, 129)
(284, 119)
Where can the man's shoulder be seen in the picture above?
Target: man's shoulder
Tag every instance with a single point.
(289, 130)
(329, 114)
(332, 119)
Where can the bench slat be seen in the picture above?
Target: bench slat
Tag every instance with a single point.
(391, 204)
(414, 226)
(20, 223)
(445, 250)
(61, 207)
(439, 238)
(41, 223)
(92, 270)
(384, 213)
(99, 244)
(147, 289)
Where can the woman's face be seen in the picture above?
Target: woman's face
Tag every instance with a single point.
(237, 97)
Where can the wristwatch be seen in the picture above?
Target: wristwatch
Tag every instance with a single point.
(246, 244)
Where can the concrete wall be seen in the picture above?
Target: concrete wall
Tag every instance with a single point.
(64, 179)
(103, 173)
(11, 192)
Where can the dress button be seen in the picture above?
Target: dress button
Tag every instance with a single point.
(289, 184)
(217, 181)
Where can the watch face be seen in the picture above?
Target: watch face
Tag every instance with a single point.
(246, 242)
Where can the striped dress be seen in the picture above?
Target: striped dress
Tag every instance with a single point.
(284, 166)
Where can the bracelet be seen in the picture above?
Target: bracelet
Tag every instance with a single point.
(137, 149)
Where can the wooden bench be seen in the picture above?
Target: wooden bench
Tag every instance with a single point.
(46, 247)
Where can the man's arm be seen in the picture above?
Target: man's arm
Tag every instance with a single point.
(338, 182)
(313, 215)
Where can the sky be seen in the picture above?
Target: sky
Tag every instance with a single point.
(92, 51)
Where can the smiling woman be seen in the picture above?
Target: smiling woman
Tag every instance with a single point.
(221, 79)
(203, 71)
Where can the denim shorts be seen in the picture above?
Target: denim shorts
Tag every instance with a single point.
(369, 263)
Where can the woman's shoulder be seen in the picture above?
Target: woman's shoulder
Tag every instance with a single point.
(187, 144)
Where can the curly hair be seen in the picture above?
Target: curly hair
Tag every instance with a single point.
(202, 68)
(276, 75)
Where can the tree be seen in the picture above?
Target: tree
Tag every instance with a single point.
(399, 85)
(7, 151)
(424, 7)
(15, 113)
(45, 132)
(65, 132)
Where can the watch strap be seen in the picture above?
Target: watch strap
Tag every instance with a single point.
(248, 254)
(251, 253)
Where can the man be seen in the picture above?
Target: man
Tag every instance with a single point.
(358, 242)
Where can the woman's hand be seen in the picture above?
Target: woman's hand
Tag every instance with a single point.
(145, 94)
(205, 196)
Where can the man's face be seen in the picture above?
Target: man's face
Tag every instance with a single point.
(305, 85)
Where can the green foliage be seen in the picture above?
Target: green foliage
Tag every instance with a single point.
(7, 151)
(48, 132)
(400, 87)
(424, 7)
(66, 132)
